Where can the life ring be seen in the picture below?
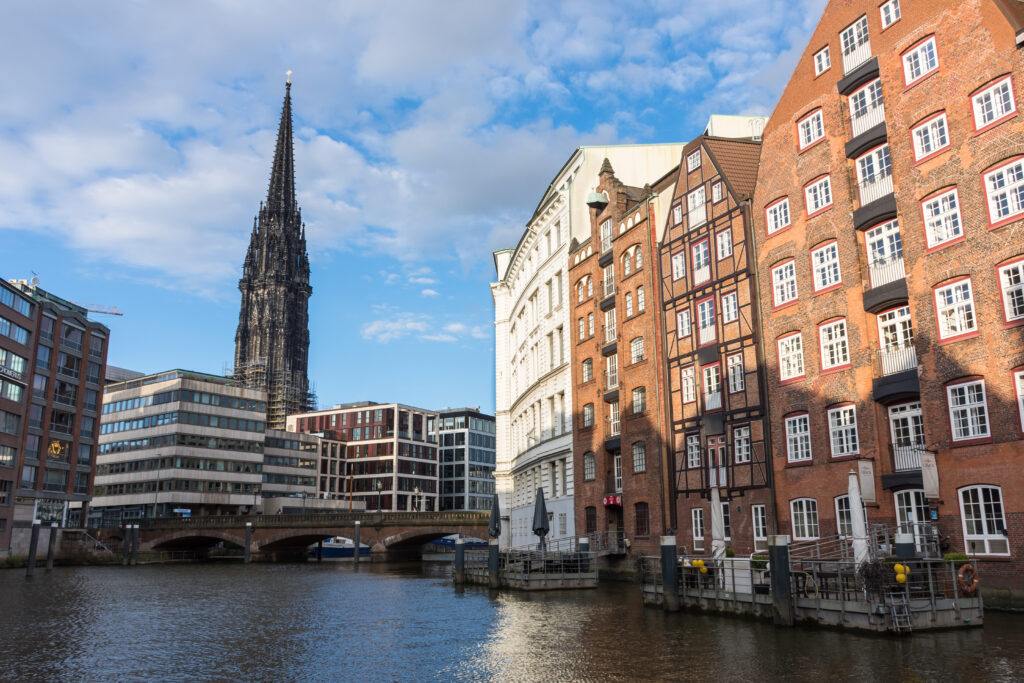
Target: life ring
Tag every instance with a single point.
(967, 577)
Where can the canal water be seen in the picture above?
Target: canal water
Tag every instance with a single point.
(338, 622)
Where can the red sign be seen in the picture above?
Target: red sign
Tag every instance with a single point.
(613, 500)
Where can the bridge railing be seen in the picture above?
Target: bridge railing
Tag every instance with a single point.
(469, 518)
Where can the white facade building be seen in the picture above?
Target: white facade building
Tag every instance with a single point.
(533, 333)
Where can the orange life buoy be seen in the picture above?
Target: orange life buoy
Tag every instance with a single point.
(967, 577)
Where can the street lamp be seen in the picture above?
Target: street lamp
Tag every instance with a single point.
(380, 486)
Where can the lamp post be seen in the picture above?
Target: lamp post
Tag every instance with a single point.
(379, 487)
(416, 499)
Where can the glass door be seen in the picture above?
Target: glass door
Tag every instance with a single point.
(912, 515)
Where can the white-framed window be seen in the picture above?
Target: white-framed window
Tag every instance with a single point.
(590, 324)
(696, 206)
(716, 192)
(1004, 188)
(805, 519)
(636, 350)
(852, 38)
(842, 431)
(638, 257)
(678, 266)
(784, 283)
(712, 376)
(777, 215)
(822, 61)
(693, 451)
(588, 415)
(818, 195)
(583, 330)
(697, 516)
(726, 521)
(1018, 381)
(994, 103)
(701, 262)
(627, 263)
(844, 520)
(677, 214)
(723, 244)
(683, 327)
(930, 136)
(629, 304)
(812, 128)
(890, 12)
(981, 509)
(760, 516)
(1011, 283)
(640, 303)
(639, 457)
(730, 308)
(968, 410)
(589, 466)
(693, 161)
(942, 218)
(689, 382)
(798, 438)
(920, 61)
(791, 357)
(873, 168)
(866, 99)
(706, 330)
(835, 350)
(735, 370)
(741, 445)
(639, 400)
(954, 306)
(588, 370)
(825, 264)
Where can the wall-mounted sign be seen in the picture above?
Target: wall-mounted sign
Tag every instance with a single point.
(613, 500)
(4, 370)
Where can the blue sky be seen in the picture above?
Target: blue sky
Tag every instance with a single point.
(136, 140)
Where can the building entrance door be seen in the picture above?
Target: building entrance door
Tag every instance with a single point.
(912, 515)
(906, 427)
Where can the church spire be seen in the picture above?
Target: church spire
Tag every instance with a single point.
(281, 193)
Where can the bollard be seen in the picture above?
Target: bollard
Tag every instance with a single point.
(782, 590)
(248, 542)
(493, 578)
(904, 547)
(126, 544)
(51, 546)
(460, 561)
(320, 550)
(33, 545)
(356, 546)
(135, 545)
(669, 574)
(584, 547)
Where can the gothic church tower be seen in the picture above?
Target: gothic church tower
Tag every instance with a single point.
(272, 342)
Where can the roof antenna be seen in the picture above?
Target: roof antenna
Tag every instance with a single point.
(288, 73)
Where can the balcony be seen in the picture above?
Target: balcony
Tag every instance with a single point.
(897, 359)
(874, 188)
(865, 73)
(887, 286)
(884, 271)
(869, 131)
(608, 288)
(706, 335)
(867, 119)
(713, 400)
(857, 56)
(905, 459)
(697, 216)
(701, 275)
(896, 376)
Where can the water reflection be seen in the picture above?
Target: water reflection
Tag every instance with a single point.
(335, 621)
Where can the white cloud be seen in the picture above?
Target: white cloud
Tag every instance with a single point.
(429, 292)
(396, 327)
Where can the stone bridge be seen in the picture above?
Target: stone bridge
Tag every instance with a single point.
(390, 535)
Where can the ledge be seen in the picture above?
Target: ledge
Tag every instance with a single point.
(896, 387)
(606, 258)
(610, 348)
(878, 210)
(878, 299)
(611, 396)
(868, 71)
(897, 481)
(607, 302)
(870, 138)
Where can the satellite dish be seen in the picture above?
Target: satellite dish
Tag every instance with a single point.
(35, 281)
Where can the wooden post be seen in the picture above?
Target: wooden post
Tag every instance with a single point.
(356, 545)
(135, 544)
(493, 561)
(248, 542)
(460, 561)
(51, 546)
(669, 574)
(33, 545)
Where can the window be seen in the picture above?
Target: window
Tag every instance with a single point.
(589, 466)
(7, 455)
(1018, 380)
(693, 451)
(854, 39)
(890, 12)
(760, 526)
(683, 323)
(639, 257)
(677, 214)
(590, 518)
(784, 283)
(874, 175)
(642, 515)
(730, 308)
(778, 215)
(798, 438)
(583, 329)
(811, 128)
(590, 324)
(864, 101)
(678, 266)
(735, 371)
(805, 519)
(716, 192)
(791, 357)
(726, 522)
(818, 196)
(627, 263)
(723, 244)
(640, 303)
(954, 306)
(613, 421)
(636, 350)
(930, 137)
(968, 410)
(1004, 188)
(701, 262)
(689, 383)
(706, 330)
(639, 400)
(844, 520)
(10, 423)
(942, 218)
(741, 445)
(14, 331)
(696, 208)
(588, 370)
(994, 103)
(825, 264)
(1011, 281)
(588, 415)
(697, 516)
(629, 304)
(639, 457)
(885, 253)
(712, 376)
(606, 235)
(920, 61)
(835, 350)
(981, 508)
(842, 429)
(15, 302)
(822, 61)
(693, 161)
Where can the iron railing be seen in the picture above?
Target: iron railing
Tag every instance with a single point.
(713, 400)
(701, 274)
(906, 457)
(896, 359)
(857, 56)
(884, 271)
(875, 187)
(697, 216)
(867, 119)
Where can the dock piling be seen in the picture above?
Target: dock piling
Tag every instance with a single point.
(460, 561)
(51, 546)
(782, 591)
(33, 545)
(248, 542)
(135, 545)
(356, 546)
(669, 574)
(494, 580)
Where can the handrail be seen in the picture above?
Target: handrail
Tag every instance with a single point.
(474, 518)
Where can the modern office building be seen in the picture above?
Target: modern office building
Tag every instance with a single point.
(888, 230)
(289, 465)
(533, 324)
(390, 452)
(465, 442)
(52, 360)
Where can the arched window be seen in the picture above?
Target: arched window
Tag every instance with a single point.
(639, 258)
(804, 519)
(588, 415)
(590, 520)
(642, 515)
(579, 291)
(588, 370)
(627, 263)
(590, 286)
(639, 457)
(589, 466)
(981, 509)
(639, 400)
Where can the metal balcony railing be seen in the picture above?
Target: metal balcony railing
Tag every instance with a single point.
(702, 274)
(608, 287)
(706, 335)
(65, 399)
(856, 56)
(614, 426)
(68, 344)
(61, 429)
(884, 271)
(611, 379)
(697, 216)
(875, 187)
(867, 119)
(897, 359)
(606, 243)
(906, 457)
(713, 400)
(611, 333)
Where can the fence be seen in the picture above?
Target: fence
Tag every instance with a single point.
(897, 359)
(867, 119)
(875, 187)
(884, 271)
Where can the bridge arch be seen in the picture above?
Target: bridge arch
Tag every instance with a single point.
(294, 539)
(417, 536)
(188, 539)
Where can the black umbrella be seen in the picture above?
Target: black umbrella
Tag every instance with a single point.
(540, 518)
(494, 528)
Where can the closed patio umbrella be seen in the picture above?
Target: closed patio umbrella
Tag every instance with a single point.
(540, 519)
(858, 520)
(717, 526)
(494, 527)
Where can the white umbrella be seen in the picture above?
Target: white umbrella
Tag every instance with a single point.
(717, 526)
(858, 521)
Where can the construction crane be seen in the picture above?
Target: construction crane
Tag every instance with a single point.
(97, 308)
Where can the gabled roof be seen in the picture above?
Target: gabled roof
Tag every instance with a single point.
(737, 160)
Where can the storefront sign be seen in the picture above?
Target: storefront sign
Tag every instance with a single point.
(866, 477)
(929, 476)
(613, 500)
(4, 370)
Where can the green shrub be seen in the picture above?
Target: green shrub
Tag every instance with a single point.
(758, 561)
(729, 552)
(959, 558)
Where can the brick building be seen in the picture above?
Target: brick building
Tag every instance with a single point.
(713, 354)
(890, 244)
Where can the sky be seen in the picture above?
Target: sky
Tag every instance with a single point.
(136, 140)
